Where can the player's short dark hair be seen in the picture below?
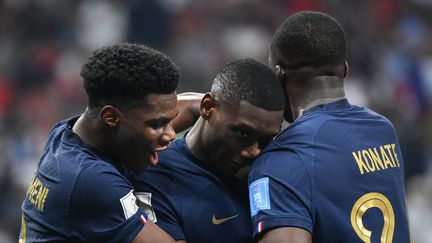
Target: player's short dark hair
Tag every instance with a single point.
(124, 74)
(251, 81)
(310, 39)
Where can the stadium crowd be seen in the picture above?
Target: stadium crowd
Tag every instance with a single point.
(43, 44)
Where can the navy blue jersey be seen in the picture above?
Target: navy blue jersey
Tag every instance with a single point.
(336, 172)
(77, 195)
(191, 202)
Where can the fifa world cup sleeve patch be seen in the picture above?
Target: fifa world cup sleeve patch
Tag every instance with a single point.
(144, 202)
(259, 196)
(129, 204)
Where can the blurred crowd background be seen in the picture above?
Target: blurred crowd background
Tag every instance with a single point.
(43, 44)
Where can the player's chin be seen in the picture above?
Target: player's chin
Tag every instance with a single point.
(232, 168)
(237, 164)
(148, 159)
(143, 165)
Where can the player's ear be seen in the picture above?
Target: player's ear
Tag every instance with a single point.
(110, 115)
(280, 74)
(346, 69)
(208, 103)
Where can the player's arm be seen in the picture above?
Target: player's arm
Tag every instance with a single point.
(151, 233)
(286, 235)
(110, 208)
(280, 198)
(153, 189)
(189, 110)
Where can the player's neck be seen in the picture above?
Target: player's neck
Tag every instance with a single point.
(87, 129)
(195, 142)
(319, 95)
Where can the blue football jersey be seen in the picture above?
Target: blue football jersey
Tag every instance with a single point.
(191, 202)
(336, 172)
(78, 195)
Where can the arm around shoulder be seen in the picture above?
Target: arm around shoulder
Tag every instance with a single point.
(189, 110)
(286, 235)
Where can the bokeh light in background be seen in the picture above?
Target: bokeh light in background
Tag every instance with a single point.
(44, 42)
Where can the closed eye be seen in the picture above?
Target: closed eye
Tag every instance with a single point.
(157, 123)
(241, 133)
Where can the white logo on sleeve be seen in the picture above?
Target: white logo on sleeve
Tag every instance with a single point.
(129, 204)
(259, 195)
(144, 202)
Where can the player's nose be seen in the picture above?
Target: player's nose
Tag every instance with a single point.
(168, 133)
(251, 152)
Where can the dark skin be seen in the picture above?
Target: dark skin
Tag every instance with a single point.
(227, 137)
(307, 87)
(110, 117)
(189, 110)
(286, 234)
(151, 233)
(132, 138)
(257, 124)
(189, 106)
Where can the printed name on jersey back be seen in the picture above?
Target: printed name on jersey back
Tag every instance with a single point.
(37, 194)
(376, 158)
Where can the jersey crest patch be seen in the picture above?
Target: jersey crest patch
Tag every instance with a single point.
(259, 196)
(144, 202)
(129, 204)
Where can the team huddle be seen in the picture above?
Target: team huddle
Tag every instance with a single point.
(334, 174)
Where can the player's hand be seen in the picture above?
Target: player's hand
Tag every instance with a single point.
(189, 110)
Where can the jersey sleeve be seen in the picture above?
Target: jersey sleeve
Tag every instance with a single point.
(280, 192)
(157, 194)
(103, 206)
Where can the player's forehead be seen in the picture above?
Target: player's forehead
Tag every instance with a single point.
(155, 101)
(159, 106)
(248, 116)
